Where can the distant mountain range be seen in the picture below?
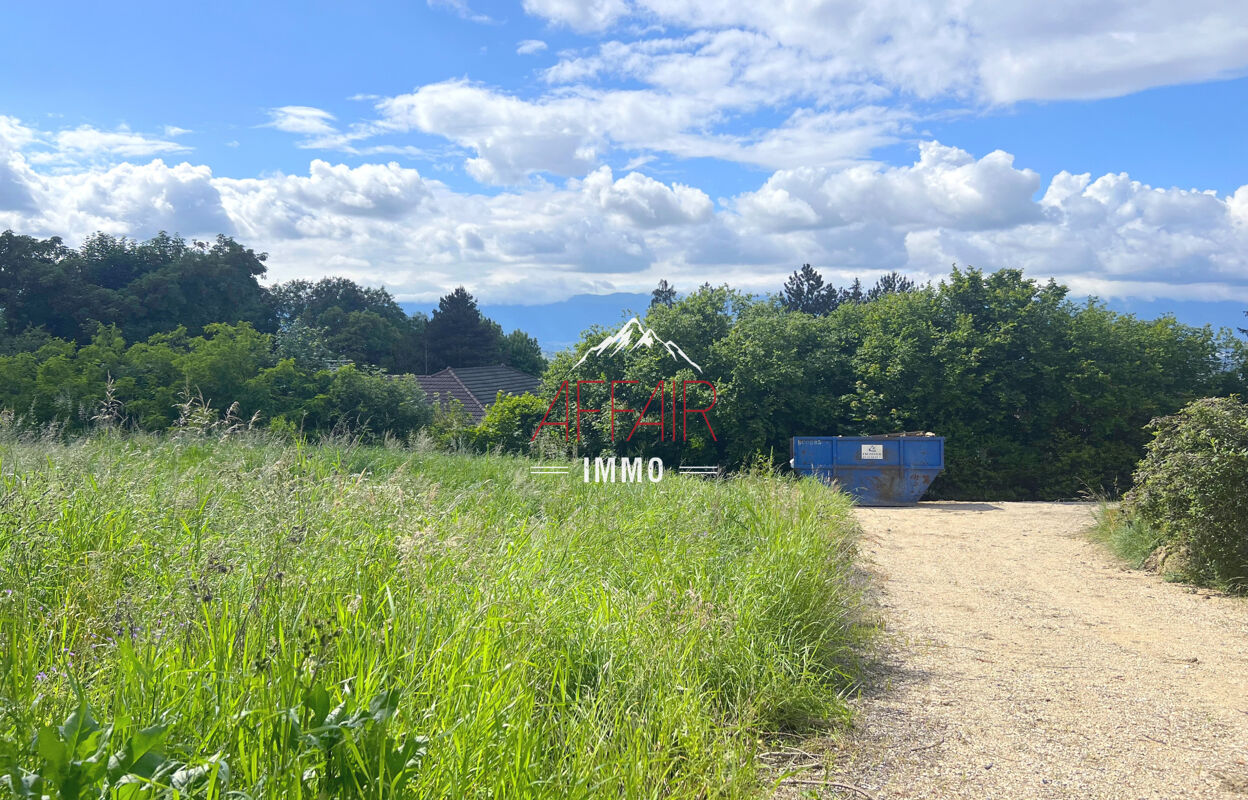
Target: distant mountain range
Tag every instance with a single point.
(632, 336)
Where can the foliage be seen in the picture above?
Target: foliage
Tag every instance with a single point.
(460, 336)
(523, 352)
(76, 760)
(347, 621)
(149, 384)
(804, 291)
(663, 295)
(450, 428)
(143, 288)
(373, 401)
(49, 292)
(1039, 397)
(509, 424)
(1190, 486)
(336, 319)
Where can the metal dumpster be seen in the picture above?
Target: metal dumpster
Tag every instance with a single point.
(890, 470)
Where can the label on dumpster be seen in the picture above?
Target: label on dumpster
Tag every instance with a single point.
(872, 451)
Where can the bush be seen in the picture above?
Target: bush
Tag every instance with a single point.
(1191, 487)
(509, 423)
(377, 402)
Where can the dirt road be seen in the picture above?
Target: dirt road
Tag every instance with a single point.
(1026, 663)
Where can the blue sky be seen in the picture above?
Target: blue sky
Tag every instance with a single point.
(548, 149)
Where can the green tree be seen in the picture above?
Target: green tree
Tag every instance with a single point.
(892, 283)
(375, 402)
(1190, 487)
(663, 295)
(804, 291)
(522, 351)
(459, 336)
(361, 324)
(220, 364)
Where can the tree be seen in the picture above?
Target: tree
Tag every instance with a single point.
(522, 351)
(459, 336)
(362, 324)
(892, 283)
(853, 294)
(663, 295)
(141, 287)
(804, 291)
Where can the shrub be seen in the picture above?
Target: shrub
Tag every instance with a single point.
(509, 423)
(450, 425)
(377, 402)
(1191, 486)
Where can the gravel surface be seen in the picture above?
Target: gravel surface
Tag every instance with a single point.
(1023, 661)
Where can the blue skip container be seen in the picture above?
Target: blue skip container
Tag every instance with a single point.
(891, 470)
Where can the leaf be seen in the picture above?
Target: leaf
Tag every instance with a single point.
(139, 756)
(78, 725)
(188, 778)
(52, 749)
(384, 704)
(316, 699)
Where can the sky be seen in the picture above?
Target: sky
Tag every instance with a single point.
(544, 153)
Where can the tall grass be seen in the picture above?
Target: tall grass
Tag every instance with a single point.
(1128, 536)
(302, 621)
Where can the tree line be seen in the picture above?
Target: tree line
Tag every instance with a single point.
(52, 292)
(1039, 396)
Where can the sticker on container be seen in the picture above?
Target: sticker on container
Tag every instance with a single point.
(875, 451)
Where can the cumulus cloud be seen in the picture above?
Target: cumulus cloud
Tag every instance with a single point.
(602, 232)
(645, 202)
(569, 134)
(512, 137)
(946, 187)
(530, 46)
(580, 15)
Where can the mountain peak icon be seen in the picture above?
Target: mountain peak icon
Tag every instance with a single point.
(632, 336)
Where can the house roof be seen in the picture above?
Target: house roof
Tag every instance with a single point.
(476, 387)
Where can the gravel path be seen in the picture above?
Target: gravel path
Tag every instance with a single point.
(1024, 662)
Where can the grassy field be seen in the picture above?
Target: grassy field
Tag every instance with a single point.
(253, 618)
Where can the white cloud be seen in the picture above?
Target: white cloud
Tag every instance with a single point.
(568, 134)
(512, 137)
(645, 202)
(302, 119)
(946, 187)
(579, 15)
(804, 83)
(1004, 52)
(461, 10)
(89, 143)
(385, 223)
